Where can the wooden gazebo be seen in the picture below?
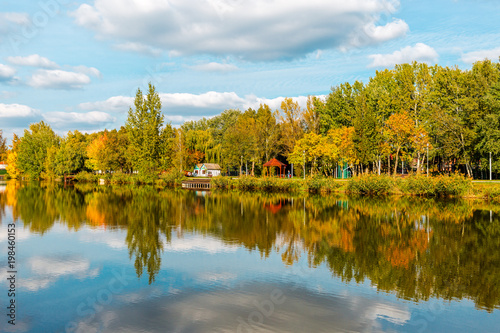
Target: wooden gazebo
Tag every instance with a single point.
(275, 163)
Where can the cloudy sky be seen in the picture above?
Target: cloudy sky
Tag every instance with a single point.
(77, 64)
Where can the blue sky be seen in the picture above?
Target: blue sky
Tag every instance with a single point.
(77, 64)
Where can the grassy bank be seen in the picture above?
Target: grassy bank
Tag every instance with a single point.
(454, 185)
(118, 178)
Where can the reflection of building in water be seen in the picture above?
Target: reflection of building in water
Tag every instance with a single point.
(3, 188)
(201, 193)
(276, 205)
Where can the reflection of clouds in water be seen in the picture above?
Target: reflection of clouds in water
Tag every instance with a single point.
(113, 239)
(217, 277)
(21, 232)
(238, 310)
(47, 270)
(388, 312)
(199, 243)
(21, 326)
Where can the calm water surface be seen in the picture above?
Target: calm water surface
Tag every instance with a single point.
(137, 259)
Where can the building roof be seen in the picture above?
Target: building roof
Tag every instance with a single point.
(212, 166)
(274, 162)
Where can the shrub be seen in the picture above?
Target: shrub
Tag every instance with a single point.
(418, 185)
(221, 182)
(315, 184)
(172, 178)
(452, 185)
(121, 178)
(85, 176)
(370, 184)
(493, 193)
(246, 183)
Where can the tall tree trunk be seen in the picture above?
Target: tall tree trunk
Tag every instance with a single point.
(396, 164)
(418, 163)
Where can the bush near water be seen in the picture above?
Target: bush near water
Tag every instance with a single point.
(454, 185)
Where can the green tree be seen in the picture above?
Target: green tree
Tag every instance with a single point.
(240, 141)
(488, 128)
(267, 133)
(144, 126)
(339, 107)
(312, 114)
(291, 124)
(70, 157)
(33, 149)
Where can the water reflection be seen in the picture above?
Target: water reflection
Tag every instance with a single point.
(414, 248)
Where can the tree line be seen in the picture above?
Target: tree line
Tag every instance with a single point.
(413, 115)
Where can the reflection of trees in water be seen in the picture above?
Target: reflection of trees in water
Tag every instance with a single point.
(417, 248)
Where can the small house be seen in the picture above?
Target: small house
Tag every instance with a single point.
(3, 165)
(206, 170)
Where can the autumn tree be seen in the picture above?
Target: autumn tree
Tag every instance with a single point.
(12, 168)
(311, 114)
(102, 153)
(290, 122)
(399, 133)
(3, 147)
(308, 149)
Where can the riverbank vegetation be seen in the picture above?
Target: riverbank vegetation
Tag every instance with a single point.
(414, 118)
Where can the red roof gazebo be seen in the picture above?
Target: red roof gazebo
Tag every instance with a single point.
(275, 163)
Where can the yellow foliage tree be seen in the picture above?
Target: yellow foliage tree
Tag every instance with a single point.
(400, 130)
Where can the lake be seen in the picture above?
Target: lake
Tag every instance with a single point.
(140, 259)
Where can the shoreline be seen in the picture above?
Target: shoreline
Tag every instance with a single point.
(443, 186)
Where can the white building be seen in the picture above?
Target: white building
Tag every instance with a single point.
(206, 170)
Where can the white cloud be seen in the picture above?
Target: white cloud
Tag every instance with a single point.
(16, 117)
(87, 70)
(391, 30)
(9, 22)
(181, 107)
(6, 73)
(16, 111)
(209, 99)
(255, 30)
(112, 104)
(17, 18)
(74, 120)
(215, 67)
(474, 56)
(140, 48)
(33, 60)
(7, 94)
(58, 79)
(420, 52)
